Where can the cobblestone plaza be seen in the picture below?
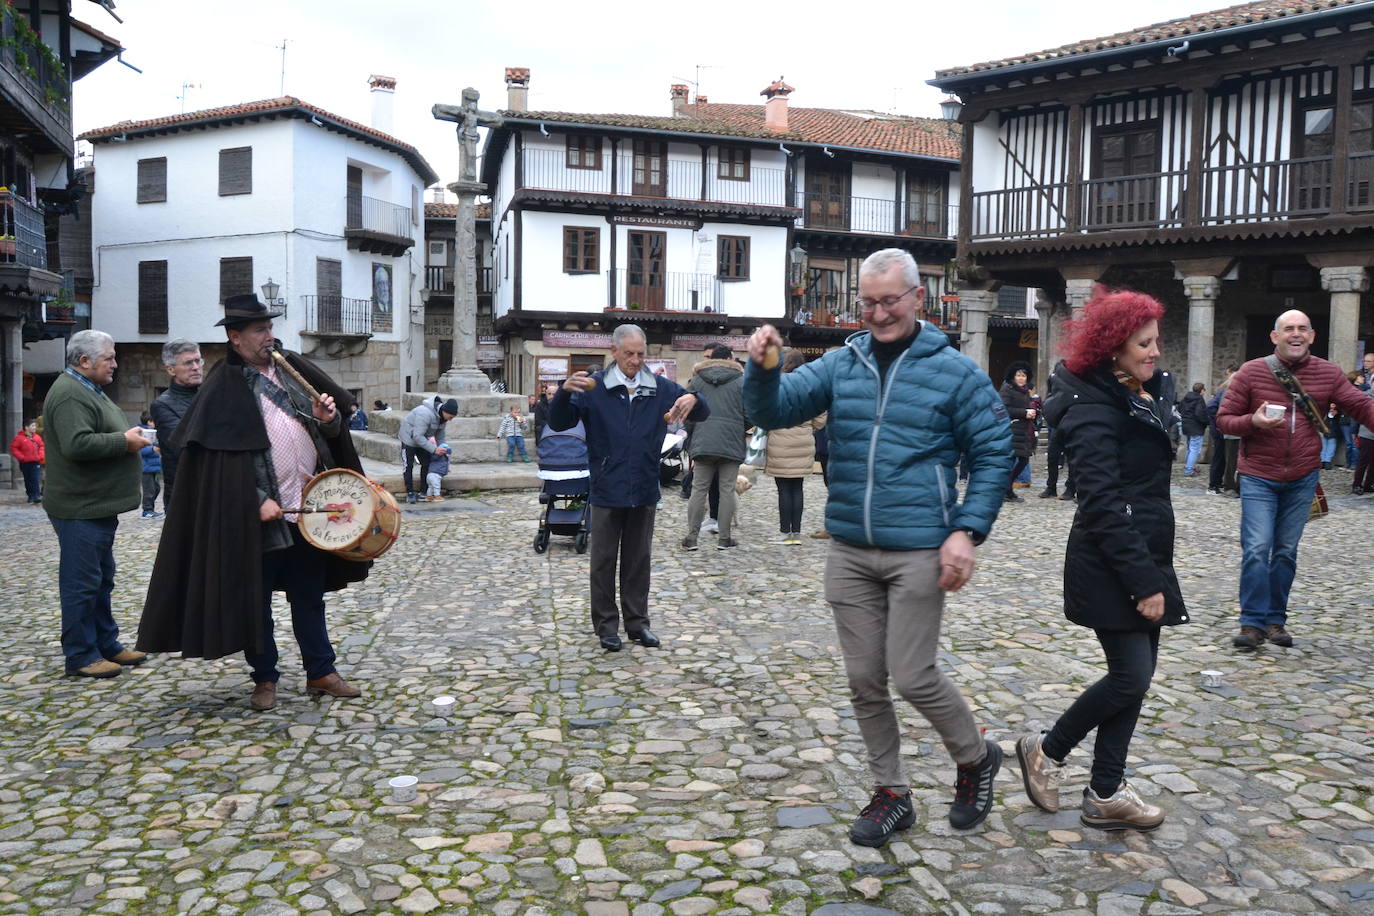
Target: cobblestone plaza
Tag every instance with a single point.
(717, 774)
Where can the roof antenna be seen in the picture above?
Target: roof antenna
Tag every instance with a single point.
(281, 89)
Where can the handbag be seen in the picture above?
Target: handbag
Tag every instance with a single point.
(1319, 507)
(756, 455)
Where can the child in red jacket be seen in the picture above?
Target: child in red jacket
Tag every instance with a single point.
(27, 449)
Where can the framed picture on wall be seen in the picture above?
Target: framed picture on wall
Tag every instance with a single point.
(381, 286)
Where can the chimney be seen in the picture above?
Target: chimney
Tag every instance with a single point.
(701, 99)
(678, 93)
(775, 109)
(383, 98)
(517, 88)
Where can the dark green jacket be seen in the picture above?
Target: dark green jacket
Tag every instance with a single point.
(91, 472)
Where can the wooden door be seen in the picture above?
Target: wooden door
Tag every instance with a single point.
(328, 295)
(650, 173)
(644, 274)
(1132, 157)
(355, 198)
(1311, 180)
(827, 197)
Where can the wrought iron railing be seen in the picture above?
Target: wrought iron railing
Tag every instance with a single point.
(22, 240)
(639, 290)
(338, 315)
(372, 215)
(944, 315)
(876, 216)
(441, 280)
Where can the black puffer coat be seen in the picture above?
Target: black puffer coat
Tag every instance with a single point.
(1017, 402)
(1193, 410)
(1121, 546)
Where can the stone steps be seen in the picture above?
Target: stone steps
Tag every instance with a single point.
(461, 478)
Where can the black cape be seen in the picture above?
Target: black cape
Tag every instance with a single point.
(206, 588)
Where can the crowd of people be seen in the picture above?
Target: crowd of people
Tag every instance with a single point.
(903, 417)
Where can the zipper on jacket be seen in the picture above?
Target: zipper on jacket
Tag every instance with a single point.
(944, 504)
(884, 389)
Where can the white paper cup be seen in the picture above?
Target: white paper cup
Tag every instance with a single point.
(1211, 678)
(443, 706)
(403, 789)
(1275, 411)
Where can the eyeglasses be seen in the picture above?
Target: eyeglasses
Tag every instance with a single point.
(867, 306)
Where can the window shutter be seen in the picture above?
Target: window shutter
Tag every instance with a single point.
(152, 297)
(152, 180)
(236, 171)
(235, 277)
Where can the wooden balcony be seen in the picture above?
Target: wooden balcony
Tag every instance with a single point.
(876, 216)
(1248, 192)
(638, 290)
(34, 88)
(670, 179)
(440, 281)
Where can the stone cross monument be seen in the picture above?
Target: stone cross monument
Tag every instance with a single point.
(463, 377)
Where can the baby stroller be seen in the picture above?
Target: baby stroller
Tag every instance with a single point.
(670, 463)
(567, 484)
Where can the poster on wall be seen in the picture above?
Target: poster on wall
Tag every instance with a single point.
(381, 287)
(665, 367)
(553, 368)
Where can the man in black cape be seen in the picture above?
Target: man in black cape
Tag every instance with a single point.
(248, 443)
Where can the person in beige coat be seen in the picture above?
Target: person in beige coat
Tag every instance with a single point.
(791, 458)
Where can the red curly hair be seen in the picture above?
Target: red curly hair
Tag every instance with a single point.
(1105, 324)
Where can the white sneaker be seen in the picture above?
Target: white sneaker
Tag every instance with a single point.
(711, 526)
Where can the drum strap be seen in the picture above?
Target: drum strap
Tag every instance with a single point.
(281, 395)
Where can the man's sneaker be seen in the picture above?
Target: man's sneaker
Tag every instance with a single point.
(885, 814)
(711, 526)
(1279, 636)
(1214, 491)
(1249, 638)
(973, 789)
(152, 515)
(726, 543)
(689, 543)
(1039, 774)
(1123, 811)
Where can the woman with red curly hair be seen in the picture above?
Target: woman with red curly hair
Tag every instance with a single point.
(1118, 566)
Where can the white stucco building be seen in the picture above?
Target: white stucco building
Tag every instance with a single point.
(193, 208)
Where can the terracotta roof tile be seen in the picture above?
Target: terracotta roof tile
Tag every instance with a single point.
(450, 211)
(280, 105)
(834, 127)
(1243, 14)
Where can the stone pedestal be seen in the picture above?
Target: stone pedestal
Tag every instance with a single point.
(1345, 284)
(974, 307)
(1051, 337)
(1077, 292)
(1202, 293)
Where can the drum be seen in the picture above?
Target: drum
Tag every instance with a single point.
(348, 515)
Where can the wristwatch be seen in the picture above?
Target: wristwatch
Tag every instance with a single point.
(975, 536)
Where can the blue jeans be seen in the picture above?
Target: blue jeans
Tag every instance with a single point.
(299, 571)
(1194, 449)
(513, 443)
(1272, 516)
(85, 579)
(33, 476)
(1328, 449)
(1352, 445)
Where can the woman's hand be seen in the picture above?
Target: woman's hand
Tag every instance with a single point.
(1151, 608)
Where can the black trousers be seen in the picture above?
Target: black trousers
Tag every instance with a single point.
(1054, 458)
(414, 456)
(1216, 471)
(1112, 706)
(298, 570)
(625, 535)
(789, 504)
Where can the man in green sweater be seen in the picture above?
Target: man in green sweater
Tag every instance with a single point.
(93, 475)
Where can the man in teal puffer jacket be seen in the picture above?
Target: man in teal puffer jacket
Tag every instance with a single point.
(903, 405)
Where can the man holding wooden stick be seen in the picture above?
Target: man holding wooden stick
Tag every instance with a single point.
(263, 424)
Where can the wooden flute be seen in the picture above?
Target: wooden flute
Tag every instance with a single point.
(281, 361)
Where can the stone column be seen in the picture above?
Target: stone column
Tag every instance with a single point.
(463, 377)
(974, 307)
(1345, 284)
(12, 383)
(1202, 293)
(1048, 352)
(1077, 292)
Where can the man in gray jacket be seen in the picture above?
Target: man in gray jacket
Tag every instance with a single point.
(717, 443)
(420, 424)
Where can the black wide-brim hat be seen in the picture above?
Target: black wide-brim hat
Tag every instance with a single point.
(245, 309)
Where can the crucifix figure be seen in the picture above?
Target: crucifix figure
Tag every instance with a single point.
(463, 377)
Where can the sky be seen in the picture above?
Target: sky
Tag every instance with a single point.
(589, 57)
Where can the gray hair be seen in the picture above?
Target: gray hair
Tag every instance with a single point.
(627, 330)
(174, 348)
(90, 344)
(880, 262)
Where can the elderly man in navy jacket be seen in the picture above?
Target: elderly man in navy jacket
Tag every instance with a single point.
(626, 411)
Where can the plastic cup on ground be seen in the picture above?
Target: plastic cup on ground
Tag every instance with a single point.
(1211, 678)
(403, 789)
(443, 706)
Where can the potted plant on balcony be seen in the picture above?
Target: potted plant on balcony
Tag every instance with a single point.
(8, 245)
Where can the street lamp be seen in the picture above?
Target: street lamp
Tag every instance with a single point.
(270, 290)
(950, 108)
